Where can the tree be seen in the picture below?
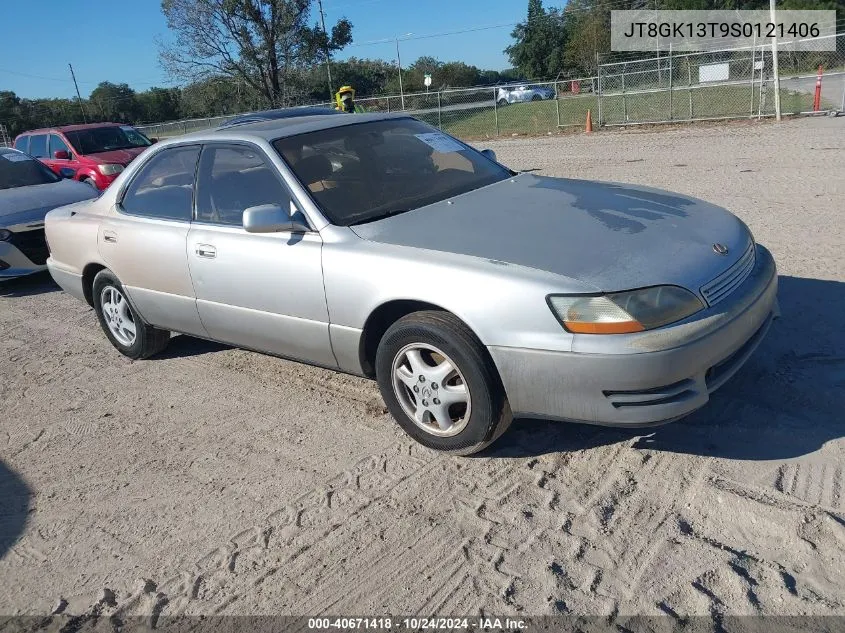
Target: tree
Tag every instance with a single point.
(158, 104)
(113, 102)
(540, 42)
(260, 42)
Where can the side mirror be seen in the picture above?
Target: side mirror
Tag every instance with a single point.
(61, 154)
(489, 153)
(67, 172)
(271, 218)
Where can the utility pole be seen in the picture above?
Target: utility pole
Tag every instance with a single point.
(773, 20)
(328, 55)
(399, 62)
(84, 118)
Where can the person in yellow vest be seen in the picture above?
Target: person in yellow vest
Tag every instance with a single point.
(345, 99)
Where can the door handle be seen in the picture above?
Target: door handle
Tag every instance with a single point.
(110, 236)
(206, 250)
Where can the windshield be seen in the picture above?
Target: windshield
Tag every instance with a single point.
(105, 139)
(21, 170)
(362, 172)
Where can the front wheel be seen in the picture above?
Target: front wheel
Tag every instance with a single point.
(440, 385)
(90, 182)
(503, 102)
(126, 330)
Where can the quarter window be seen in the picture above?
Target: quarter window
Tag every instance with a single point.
(163, 187)
(38, 145)
(232, 179)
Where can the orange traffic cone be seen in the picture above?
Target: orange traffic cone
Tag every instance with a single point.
(589, 122)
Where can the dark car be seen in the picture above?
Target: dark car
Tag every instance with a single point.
(272, 115)
(96, 152)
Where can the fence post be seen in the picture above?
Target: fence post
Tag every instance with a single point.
(598, 74)
(753, 62)
(671, 114)
(557, 104)
(439, 119)
(624, 98)
(689, 88)
(842, 109)
(496, 111)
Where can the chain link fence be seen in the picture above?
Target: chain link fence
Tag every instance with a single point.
(729, 84)
(724, 84)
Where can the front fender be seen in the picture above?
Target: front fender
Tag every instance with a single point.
(504, 304)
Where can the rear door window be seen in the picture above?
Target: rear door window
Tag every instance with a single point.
(38, 145)
(163, 187)
(22, 144)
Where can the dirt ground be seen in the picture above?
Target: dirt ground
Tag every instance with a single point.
(214, 480)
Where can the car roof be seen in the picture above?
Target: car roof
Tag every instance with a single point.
(281, 113)
(71, 128)
(281, 128)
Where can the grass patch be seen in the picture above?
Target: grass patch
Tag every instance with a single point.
(541, 117)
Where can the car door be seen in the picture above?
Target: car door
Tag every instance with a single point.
(260, 291)
(143, 240)
(57, 144)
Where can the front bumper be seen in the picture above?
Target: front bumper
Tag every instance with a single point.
(647, 378)
(15, 263)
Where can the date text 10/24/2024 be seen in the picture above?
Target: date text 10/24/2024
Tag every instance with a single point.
(491, 624)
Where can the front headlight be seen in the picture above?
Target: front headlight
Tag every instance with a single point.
(110, 169)
(624, 312)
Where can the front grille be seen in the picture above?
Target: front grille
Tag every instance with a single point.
(730, 280)
(32, 244)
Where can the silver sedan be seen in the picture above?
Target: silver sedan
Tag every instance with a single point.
(379, 246)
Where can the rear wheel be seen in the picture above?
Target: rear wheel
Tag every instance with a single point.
(440, 385)
(503, 102)
(126, 330)
(536, 98)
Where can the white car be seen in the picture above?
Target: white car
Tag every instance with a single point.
(521, 94)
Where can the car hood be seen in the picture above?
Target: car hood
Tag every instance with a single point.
(610, 236)
(26, 205)
(119, 156)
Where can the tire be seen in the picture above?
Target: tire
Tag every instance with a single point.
(503, 102)
(440, 337)
(112, 306)
(90, 182)
(537, 98)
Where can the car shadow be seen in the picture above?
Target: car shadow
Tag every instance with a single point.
(37, 284)
(182, 346)
(15, 496)
(787, 401)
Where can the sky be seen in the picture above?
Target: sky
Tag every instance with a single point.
(115, 42)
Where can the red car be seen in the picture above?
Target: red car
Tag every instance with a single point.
(96, 152)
